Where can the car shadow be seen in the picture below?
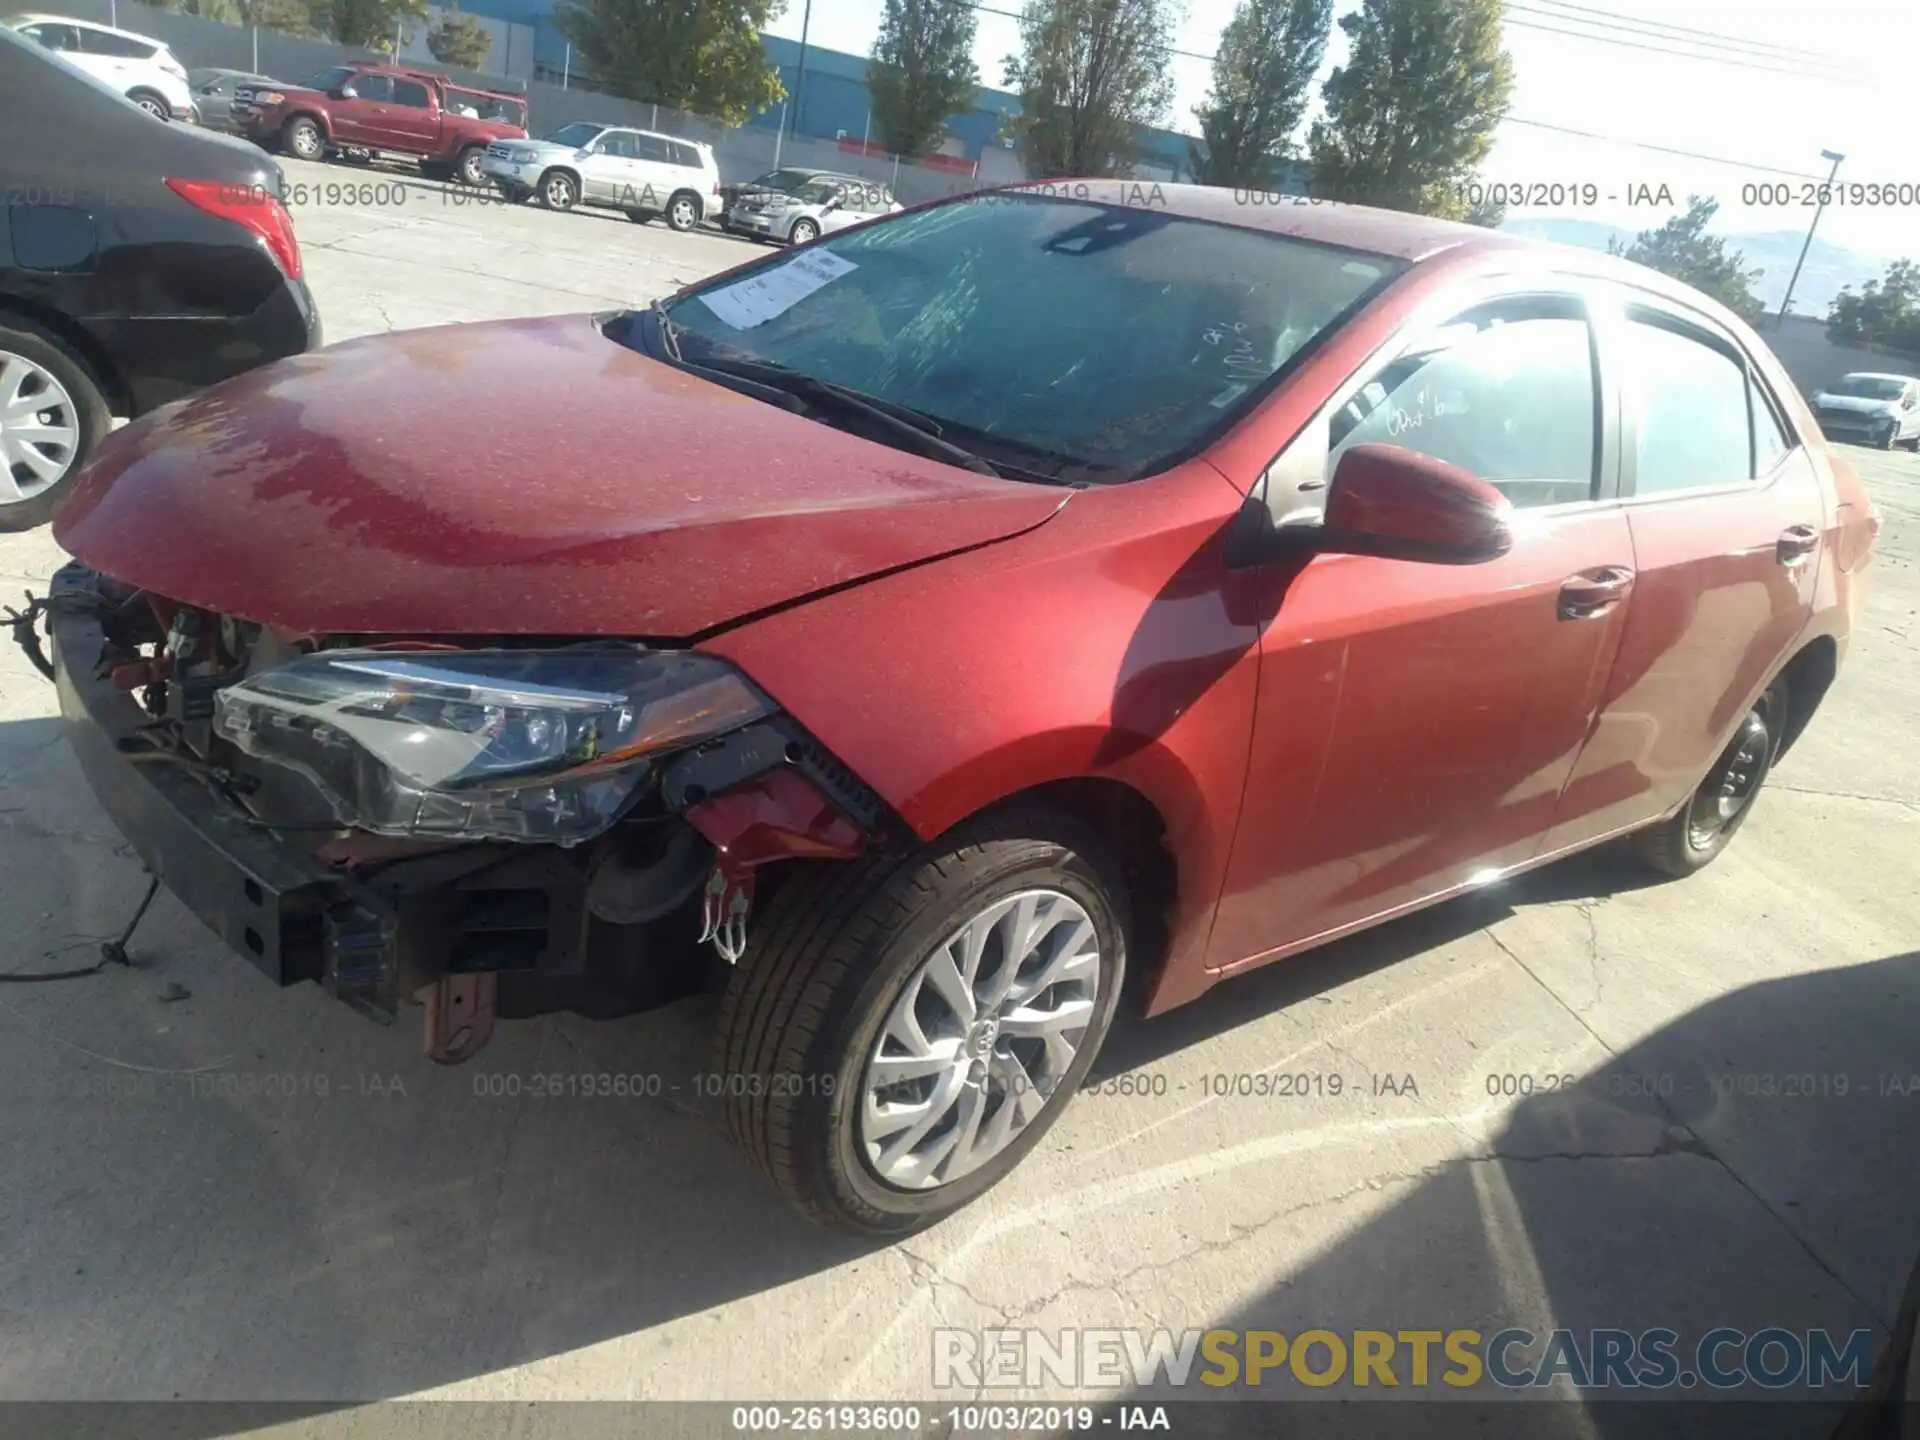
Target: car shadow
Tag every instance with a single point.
(1754, 1158)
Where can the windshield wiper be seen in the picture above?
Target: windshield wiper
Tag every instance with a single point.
(922, 432)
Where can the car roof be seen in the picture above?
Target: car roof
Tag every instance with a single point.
(38, 19)
(1877, 375)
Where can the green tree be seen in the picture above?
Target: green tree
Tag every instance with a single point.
(460, 41)
(1268, 56)
(1090, 75)
(922, 73)
(703, 56)
(372, 24)
(1885, 312)
(1683, 249)
(1411, 115)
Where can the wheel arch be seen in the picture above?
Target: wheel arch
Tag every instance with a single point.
(75, 337)
(1137, 830)
(1809, 675)
(579, 189)
(317, 117)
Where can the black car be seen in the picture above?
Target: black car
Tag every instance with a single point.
(138, 263)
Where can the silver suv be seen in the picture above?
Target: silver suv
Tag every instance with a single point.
(639, 172)
(802, 205)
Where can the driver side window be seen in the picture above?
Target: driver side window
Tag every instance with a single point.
(1505, 391)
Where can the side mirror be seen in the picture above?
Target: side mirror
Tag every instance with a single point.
(1402, 505)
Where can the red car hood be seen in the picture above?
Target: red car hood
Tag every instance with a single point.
(524, 477)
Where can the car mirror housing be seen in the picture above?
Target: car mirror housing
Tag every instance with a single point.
(1396, 503)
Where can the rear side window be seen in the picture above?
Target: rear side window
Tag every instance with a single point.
(1506, 392)
(410, 92)
(654, 148)
(120, 47)
(1690, 402)
(684, 154)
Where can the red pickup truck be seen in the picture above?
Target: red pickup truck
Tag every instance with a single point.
(382, 108)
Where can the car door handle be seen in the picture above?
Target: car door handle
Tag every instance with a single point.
(1796, 543)
(1594, 592)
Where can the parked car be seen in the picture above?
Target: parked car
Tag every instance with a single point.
(636, 171)
(1871, 409)
(143, 70)
(798, 206)
(1014, 604)
(138, 263)
(382, 109)
(213, 92)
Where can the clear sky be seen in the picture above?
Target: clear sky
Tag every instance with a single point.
(1859, 64)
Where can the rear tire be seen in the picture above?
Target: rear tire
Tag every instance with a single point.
(30, 358)
(683, 212)
(1694, 838)
(812, 1006)
(154, 105)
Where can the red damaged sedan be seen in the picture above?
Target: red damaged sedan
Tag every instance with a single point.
(939, 631)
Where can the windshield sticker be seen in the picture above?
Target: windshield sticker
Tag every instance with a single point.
(776, 291)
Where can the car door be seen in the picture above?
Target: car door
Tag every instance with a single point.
(654, 171)
(1728, 515)
(103, 56)
(623, 179)
(358, 116)
(411, 121)
(848, 206)
(1416, 722)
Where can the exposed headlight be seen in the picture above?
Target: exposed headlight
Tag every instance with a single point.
(532, 745)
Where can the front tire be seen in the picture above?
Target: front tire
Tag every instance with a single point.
(804, 232)
(52, 414)
(559, 190)
(467, 169)
(1694, 838)
(902, 1031)
(302, 139)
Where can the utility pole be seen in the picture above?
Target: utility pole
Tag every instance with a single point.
(1787, 302)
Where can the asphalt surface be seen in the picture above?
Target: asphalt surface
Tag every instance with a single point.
(214, 1189)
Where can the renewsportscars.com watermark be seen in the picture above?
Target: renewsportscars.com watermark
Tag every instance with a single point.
(1604, 1359)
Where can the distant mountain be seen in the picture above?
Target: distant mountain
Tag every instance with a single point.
(1828, 266)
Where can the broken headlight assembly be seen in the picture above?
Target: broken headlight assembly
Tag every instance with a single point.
(540, 746)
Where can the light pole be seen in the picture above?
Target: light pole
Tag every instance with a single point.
(1787, 302)
(800, 76)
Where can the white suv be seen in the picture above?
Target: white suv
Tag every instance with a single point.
(143, 70)
(636, 171)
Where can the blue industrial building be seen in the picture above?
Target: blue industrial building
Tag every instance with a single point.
(830, 101)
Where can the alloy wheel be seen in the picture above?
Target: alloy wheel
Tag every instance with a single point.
(975, 1047)
(39, 429)
(153, 107)
(1735, 778)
